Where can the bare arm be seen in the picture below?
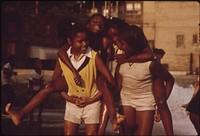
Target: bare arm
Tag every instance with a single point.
(104, 70)
(118, 81)
(95, 98)
(57, 71)
(81, 102)
(160, 72)
(71, 99)
(62, 55)
(146, 55)
(107, 46)
(87, 100)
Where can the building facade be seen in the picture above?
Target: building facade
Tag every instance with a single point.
(172, 26)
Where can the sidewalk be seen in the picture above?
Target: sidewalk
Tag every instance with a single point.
(52, 124)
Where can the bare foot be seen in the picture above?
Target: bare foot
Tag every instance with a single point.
(14, 115)
(117, 121)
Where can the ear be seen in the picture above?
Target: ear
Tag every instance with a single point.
(69, 41)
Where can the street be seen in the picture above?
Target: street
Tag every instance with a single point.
(52, 124)
(53, 118)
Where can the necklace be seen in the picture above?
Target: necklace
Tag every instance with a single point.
(130, 64)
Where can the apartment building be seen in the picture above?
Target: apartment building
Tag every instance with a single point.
(172, 26)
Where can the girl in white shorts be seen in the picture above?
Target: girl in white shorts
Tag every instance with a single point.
(83, 101)
(135, 83)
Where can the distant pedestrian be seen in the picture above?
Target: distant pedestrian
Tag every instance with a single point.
(7, 91)
(35, 83)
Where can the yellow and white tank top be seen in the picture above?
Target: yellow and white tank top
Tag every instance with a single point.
(88, 72)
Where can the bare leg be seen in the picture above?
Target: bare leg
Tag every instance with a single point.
(128, 126)
(55, 86)
(91, 129)
(144, 122)
(108, 99)
(104, 118)
(70, 128)
(195, 121)
(161, 102)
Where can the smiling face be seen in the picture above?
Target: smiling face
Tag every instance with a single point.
(123, 46)
(96, 24)
(79, 43)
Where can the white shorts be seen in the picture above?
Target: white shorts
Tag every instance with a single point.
(140, 102)
(90, 114)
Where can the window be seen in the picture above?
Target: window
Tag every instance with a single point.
(137, 8)
(179, 40)
(129, 7)
(194, 40)
(134, 8)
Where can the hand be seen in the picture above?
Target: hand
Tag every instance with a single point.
(82, 101)
(121, 58)
(74, 99)
(117, 121)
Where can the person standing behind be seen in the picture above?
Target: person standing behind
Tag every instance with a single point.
(7, 91)
(35, 83)
(135, 81)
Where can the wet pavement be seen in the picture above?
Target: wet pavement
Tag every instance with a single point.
(52, 124)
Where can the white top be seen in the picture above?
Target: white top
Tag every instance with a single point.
(137, 78)
(37, 77)
(82, 57)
